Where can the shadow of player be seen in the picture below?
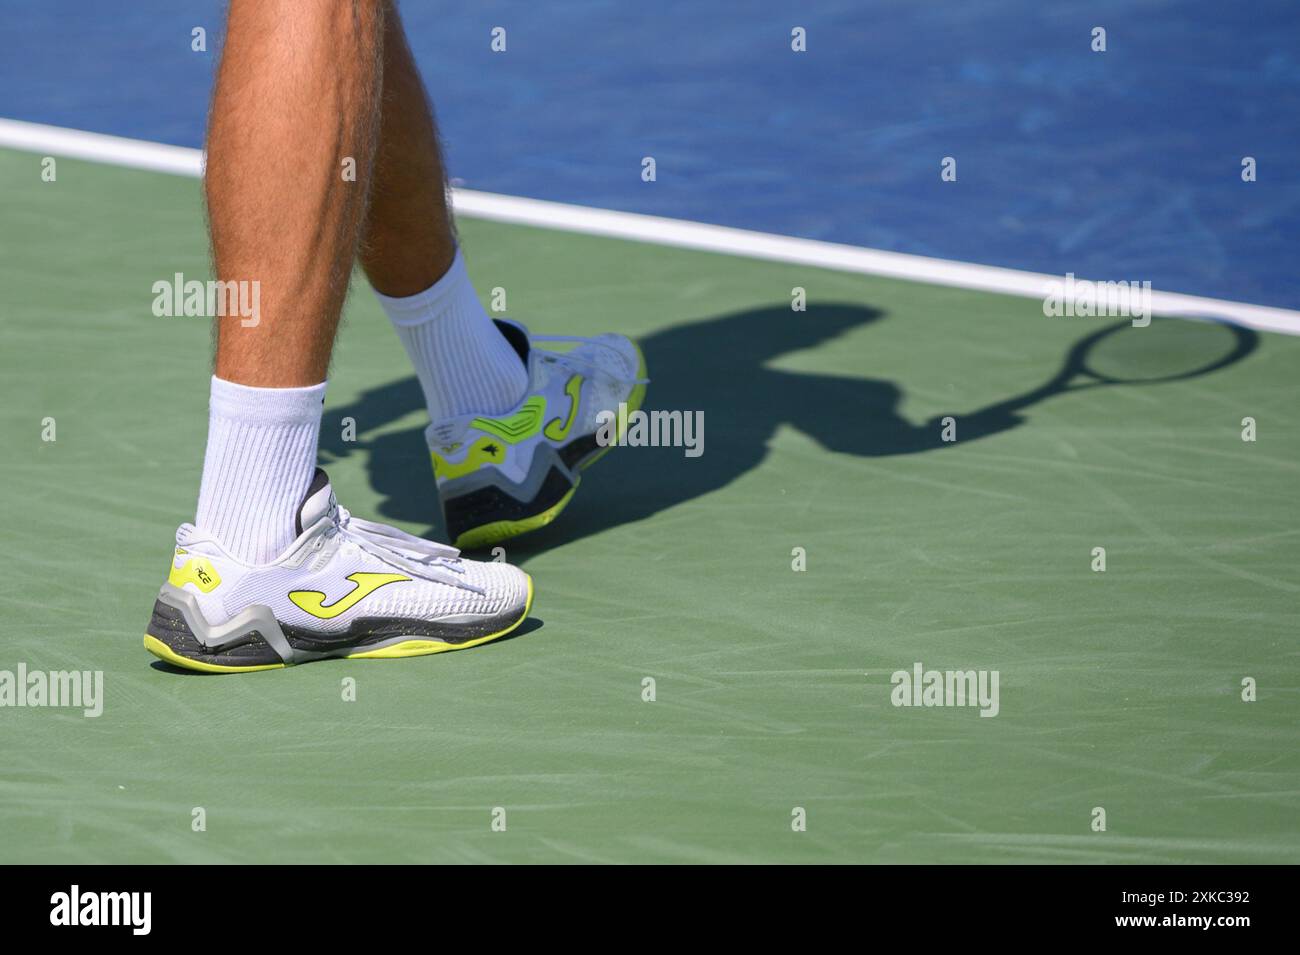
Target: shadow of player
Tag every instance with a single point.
(718, 366)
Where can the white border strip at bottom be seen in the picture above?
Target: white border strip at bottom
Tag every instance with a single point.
(183, 161)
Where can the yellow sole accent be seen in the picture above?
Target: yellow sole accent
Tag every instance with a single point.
(164, 652)
(420, 648)
(488, 534)
(407, 648)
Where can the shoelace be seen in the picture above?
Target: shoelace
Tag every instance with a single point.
(414, 555)
(573, 362)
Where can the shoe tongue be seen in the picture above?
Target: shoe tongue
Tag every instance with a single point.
(516, 335)
(317, 503)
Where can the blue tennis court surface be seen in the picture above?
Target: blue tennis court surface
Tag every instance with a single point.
(1122, 165)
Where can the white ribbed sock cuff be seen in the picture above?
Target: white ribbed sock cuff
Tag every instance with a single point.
(259, 462)
(266, 406)
(425, 306)
(465, 365)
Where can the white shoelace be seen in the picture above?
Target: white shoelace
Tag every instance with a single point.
(573, 362)
(422, 558)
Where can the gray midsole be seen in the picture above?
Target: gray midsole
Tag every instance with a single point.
(257, 617)
(545, 457)
(260, 618)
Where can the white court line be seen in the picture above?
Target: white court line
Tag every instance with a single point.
(96, 147)
(679, 233)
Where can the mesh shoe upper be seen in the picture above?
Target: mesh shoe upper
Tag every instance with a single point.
(341, 569)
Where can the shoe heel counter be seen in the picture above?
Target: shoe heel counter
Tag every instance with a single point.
(196, 569)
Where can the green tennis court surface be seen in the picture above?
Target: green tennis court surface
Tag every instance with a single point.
(1120, 690)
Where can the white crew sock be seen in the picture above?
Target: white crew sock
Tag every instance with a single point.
(464, 363)
(260, 460)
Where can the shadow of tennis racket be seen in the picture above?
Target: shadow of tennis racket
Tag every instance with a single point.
(1167, 350)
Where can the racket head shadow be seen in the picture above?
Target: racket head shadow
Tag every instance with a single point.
(1166, 350)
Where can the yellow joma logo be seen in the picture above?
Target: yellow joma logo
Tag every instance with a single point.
(313, 601)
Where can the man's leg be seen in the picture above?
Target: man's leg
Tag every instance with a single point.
(409, 253)
(297, 94)
(491, 488)
(273, 572)
(408, 242)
